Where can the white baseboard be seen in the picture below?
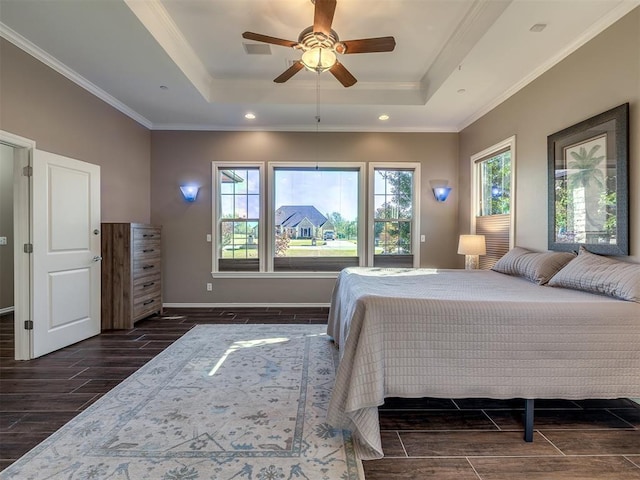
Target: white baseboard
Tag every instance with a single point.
(244, 305)
(6, 310)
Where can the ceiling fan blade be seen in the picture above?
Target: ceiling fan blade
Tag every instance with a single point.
(289, 72)
(267, 39)
(323, 16)
(343, 75)
(369, 45)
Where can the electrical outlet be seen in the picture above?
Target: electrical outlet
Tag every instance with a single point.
(209, 287)
(209, 237)
(423, 238)
(3, 240)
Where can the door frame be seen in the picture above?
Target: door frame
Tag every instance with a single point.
(23, 154)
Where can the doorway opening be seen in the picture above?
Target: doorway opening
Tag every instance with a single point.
(15, 156)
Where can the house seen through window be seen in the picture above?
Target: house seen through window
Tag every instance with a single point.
(316, 218)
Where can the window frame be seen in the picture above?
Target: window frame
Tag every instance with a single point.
(216, 219)
(266, 228)
(362, 234)
(415, 206)
(476, 159)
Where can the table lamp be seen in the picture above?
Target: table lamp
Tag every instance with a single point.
(472, 246)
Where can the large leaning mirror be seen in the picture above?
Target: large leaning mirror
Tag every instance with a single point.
(589, 185)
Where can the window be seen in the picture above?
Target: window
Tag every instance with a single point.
(301, 220)
(495, 184)
(238, 212)
(315, 220)
(394, 210)
(493, 173)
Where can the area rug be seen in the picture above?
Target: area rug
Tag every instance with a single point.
(243, 402)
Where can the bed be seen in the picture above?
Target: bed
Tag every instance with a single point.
(473, 334)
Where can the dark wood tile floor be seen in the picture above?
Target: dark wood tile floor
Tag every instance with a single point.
(423, 438)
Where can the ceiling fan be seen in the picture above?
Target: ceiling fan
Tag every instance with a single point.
(320, 44)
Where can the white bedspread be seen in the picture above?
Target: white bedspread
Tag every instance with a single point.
(461, 334)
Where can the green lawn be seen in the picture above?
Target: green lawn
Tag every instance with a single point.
(321, 252)
(299, 248)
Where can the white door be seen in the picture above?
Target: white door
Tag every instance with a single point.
(66, 251)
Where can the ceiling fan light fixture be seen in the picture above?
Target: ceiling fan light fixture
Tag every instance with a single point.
(320, 44)
(318, 59)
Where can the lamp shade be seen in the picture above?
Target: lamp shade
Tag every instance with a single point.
(472, 245)
(318, 59)
(441, 193)
(189, 192)
(440, 189)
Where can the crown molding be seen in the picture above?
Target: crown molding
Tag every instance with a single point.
(53, 63)
(302, 128)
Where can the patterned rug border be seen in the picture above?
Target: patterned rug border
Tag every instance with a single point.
(353, 464)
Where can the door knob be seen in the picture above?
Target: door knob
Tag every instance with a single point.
(97, 258)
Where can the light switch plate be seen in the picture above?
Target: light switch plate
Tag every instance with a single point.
(3, 240)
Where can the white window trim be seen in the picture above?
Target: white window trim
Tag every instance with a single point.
(415, 220)
(265, 224)
(215, 215)
(509, 143)
(362, 234)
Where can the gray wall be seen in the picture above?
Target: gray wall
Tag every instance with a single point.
(603, 74)
(141, 170)
(63, 118)
(179, 157)
(6, 226)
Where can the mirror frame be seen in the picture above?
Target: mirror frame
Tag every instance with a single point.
(611, 131)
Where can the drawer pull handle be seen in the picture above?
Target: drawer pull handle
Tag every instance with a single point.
(148, 302)
(148, 250)
(148, 235)
(147, 267)
(148, 284)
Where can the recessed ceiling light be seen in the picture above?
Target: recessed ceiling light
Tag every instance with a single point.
(250, 116)
(538, 27)
(383, 117)
(462, 90)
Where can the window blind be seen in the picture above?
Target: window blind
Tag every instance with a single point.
(496, 229)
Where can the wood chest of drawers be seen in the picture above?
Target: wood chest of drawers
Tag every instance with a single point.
(131, 273)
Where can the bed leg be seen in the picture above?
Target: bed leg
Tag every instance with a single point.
(528, 420)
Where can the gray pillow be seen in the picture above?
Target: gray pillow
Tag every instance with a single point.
(597, 274)
(537, 267)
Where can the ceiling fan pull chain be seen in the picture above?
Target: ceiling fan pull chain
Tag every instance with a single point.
(317, 118)
(317, 100)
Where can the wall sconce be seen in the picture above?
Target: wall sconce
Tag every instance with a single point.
(440, 189)
(189, 192)
(472, 246)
